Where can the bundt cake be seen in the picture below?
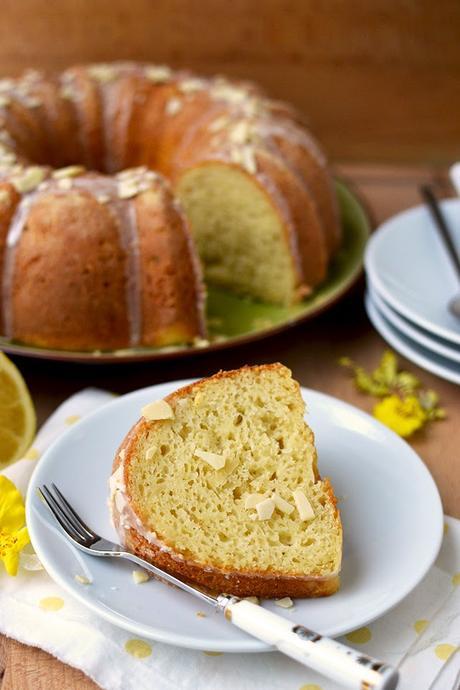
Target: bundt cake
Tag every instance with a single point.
(218, 484)
(104, 259)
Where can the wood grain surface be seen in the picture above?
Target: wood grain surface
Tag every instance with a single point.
(378, 80)
(310, 350)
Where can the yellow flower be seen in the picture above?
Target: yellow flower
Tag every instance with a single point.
(402, 415)
(13, 532)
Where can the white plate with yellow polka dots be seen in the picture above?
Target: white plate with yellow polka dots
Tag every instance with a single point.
(390, 506)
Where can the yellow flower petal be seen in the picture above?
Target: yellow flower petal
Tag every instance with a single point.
(13, 533)
(404, 416)
(10, 546)
(12, 513)
(11, 562)
(22, 537)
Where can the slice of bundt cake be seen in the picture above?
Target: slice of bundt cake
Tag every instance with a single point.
(218, 484)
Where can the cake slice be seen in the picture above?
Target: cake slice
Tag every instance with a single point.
(218, 484)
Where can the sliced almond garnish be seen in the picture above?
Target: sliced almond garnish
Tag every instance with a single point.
(265, 509)
(191, 85)
(69, 171)
(282, 505)
(252, 500)
(102, 72)
(65, 183)
(303, 505)
(219, 123)
(285, 603)
(30, 179)
(214, 459)
(158, 409)
(158, 73)
(253, 600)
(127, 189)
(8, 158)
(140, 576)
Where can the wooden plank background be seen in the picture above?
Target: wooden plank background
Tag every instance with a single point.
(378, 79)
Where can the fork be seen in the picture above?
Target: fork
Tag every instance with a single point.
(445, 233)
(325, 655)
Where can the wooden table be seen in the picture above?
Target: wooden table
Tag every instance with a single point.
(310, 350)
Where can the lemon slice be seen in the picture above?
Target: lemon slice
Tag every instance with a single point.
(17, 413)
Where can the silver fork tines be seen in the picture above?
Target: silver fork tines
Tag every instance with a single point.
(82, 525)
(69, 520)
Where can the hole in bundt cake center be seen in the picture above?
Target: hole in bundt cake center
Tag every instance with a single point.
(50, 152)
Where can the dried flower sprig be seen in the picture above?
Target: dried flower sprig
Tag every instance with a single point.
(405, 406)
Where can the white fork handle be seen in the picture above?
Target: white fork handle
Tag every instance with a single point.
(332, 659)
(454, 173)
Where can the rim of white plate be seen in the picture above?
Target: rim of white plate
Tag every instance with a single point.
(393, 337)
(372, 271)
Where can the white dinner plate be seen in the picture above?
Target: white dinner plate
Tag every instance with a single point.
(387, 498)
(416, 353)
(430, 342)
(410, 268)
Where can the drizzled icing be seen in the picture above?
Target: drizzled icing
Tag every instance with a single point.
(124, 214)
(105, 76)
(126, 519)
(70, 92)
(17, 225)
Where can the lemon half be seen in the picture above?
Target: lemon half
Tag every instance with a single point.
(17, 413)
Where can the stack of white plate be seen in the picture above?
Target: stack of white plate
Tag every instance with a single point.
(410, 280)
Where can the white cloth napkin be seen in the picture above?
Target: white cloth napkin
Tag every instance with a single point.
(421, 636)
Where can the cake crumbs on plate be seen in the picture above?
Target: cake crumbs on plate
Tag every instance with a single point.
(140, 576)
(83, 580)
